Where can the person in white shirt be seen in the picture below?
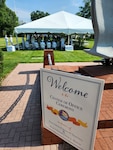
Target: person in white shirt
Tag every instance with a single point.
(11, 40)
(6, 40)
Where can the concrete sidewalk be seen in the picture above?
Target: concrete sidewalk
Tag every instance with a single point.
(20, 110)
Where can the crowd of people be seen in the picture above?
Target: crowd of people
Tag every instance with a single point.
(44, 41)
(47, 41)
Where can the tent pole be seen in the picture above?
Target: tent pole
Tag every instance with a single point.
(68, 39)
(17, 42)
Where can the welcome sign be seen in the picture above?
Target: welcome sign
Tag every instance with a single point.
(70, 106)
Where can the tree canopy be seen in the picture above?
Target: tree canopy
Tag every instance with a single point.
(38, 14)
(85, 11)
(8, 19)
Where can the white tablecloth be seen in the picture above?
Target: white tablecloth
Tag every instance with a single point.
(10, 48)
(68, 47)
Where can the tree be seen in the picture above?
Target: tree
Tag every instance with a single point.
(38, 14)
(85, 11)
(8, 19)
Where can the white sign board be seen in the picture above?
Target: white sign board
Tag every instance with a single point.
(70, 106)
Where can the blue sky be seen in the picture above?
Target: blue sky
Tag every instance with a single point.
(23, 8)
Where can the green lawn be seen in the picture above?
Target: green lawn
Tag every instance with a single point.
(11, 59)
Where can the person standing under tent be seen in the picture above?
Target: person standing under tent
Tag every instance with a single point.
(62, 43)
(33, 41)
(23, 42)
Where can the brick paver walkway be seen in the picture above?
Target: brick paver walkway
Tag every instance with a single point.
(20, 113)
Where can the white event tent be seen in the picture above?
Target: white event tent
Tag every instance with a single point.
(60, 22)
